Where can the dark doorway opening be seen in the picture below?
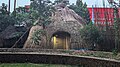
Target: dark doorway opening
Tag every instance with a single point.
(60, 40)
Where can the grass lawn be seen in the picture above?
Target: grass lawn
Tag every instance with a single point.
(32, 65)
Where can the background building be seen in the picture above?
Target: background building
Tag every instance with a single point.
(102, 16)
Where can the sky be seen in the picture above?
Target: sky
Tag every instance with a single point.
(98, 3)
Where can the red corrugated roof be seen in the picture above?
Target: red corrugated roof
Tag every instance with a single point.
(103, 15)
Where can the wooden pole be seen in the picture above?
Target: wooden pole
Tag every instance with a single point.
(14, 7)
(9, 6)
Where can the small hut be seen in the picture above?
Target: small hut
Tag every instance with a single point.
(62, 32)
(9, 36)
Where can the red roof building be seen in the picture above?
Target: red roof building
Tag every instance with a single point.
(102, 16)
(27, 7)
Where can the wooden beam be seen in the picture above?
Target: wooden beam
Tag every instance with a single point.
(9, 6)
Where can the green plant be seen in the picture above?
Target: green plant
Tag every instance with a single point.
(41, 10)
(5, 18)
(33, 65)
(81, 9)
(36, 37)
(91, 34)
(115, 52)
(66, 2)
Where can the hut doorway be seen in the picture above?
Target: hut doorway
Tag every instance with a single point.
(61, 40)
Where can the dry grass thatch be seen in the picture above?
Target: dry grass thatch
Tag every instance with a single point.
(6, 34)
(66, 14)
(29, 42)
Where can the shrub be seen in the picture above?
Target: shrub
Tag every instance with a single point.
(36, 37)
(91, 34)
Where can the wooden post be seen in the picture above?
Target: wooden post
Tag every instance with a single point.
(9, 6)
(15, 7)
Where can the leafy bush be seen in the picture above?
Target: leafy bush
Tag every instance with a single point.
(5, 18)
(36, 37)
(91, 34)
(115, 52)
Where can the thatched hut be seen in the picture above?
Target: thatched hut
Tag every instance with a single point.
(7, 40)
(9, 36)
(63, 31)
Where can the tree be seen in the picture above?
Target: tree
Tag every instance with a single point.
(79, 3)
(22, 16)
(5, 18)
(91, 35)
(62, 1)
(4, 9)
(81, 10)
(116, 23)
(42, 10)
(86, 13)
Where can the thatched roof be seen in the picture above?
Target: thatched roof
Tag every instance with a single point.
(9, 32)
(63, 13)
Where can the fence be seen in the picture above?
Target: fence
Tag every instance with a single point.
(55, 57)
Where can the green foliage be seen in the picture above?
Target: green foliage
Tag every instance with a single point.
(66, 2)
(81, 10)
(116, 23)
(21, 16)
(41, 9)
(36, 37)
(5, 21)
(91, 34)
(33, 65)
(21, 10)
(5, 18)
(115, 52)
(34, 15)
(79, 3)
(4, 11)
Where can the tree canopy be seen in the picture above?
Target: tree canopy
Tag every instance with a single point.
(5, 18)
(91, 34)
(81, 9)
(61, 1)
(42, 10)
